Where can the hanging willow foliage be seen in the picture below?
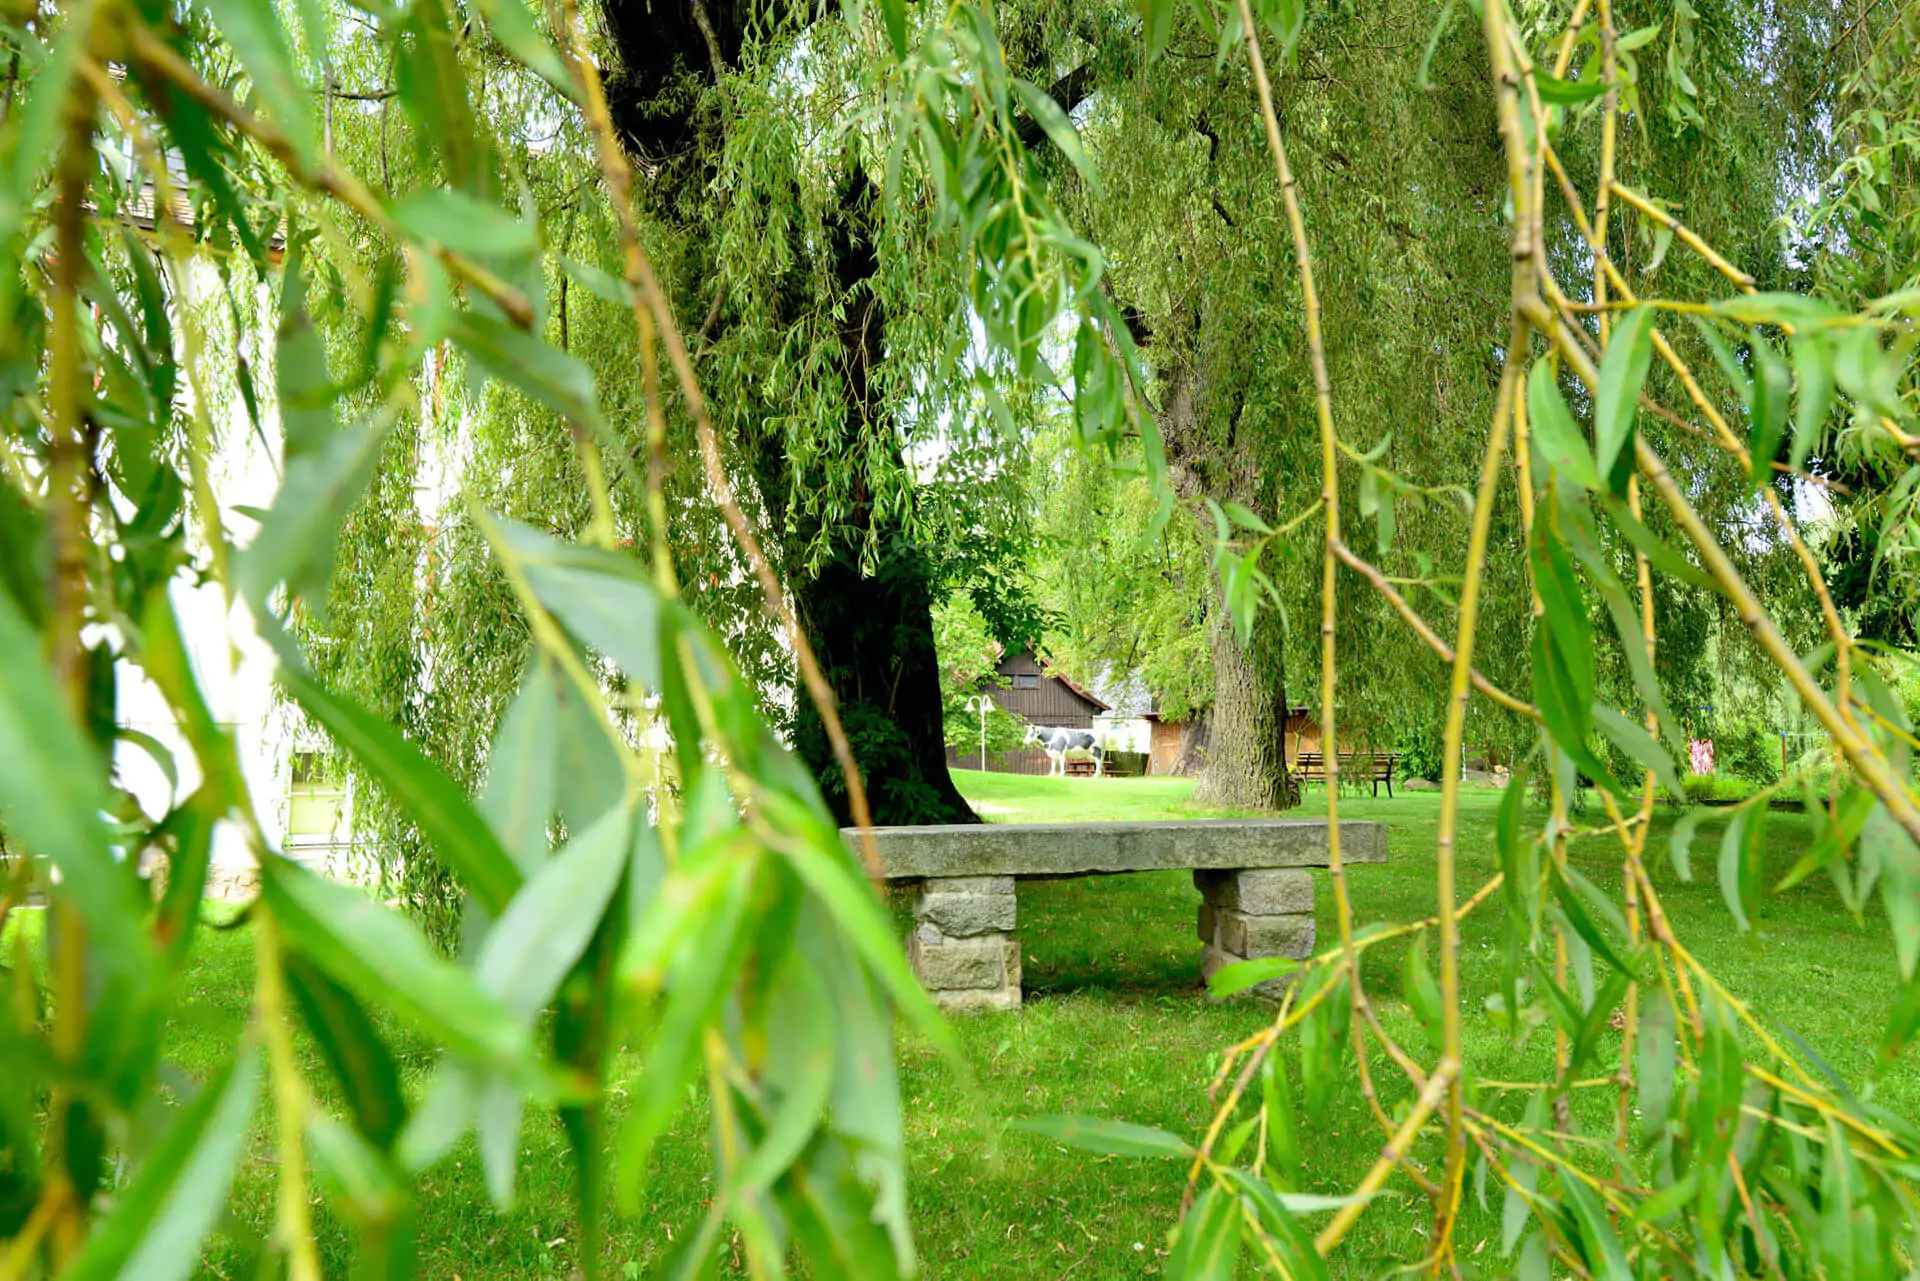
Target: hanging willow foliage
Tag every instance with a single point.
(698, 907)
(1748, 1155)
(694, 903)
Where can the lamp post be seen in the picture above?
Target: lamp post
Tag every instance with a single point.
(980, 703)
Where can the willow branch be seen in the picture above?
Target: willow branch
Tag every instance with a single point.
(294, 1216)
(1522, 250)
(1684, 233)
(1865, 758)
(68, 511)
(1425, 632)
(1444, 1080)
(1330, 498)
(1722, 433)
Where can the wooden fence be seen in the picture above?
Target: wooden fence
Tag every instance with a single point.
(1033, 761)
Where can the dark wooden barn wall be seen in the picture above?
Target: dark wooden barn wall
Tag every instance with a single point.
(1049, 703)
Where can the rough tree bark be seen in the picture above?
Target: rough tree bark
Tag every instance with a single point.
(1245, 752)
(873, 632)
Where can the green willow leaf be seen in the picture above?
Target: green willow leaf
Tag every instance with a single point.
(1623, 372)
(547, 927)
(1581, 902)
(420, 787)
(1813, 369)
(1422, 992)
(1047, 113)
(893, 14)
(1108, 1138)
(498, 1115)
(601, 284)
(1737, 875)
(1566, 93)
(1283, 1134)
(180, 1188)
(1158, 15)
(603, 598)
(1576, 523)
(254, 31)
(1903, 1020)
(356, 1173)
(1886, 847)
(1640, 745)
(695, 991)
(458, 221)
(1660, 555)
(1516, 1210)
(1606, 1258)
(514, 26)
(384, 960)
(1770, 389)
(38, 114)
(1680, 841)
(52, 798)
(547, 375)
(522, 788)
(803, 1039)
(443, 1115)
(1277, 1211)
(848, 899)
(1206, 1246)
(1657, 1050)
(1557, 438)
(299, 532)
(1231, 980)
(352, 1048)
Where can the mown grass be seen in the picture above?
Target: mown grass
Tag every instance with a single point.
(1115, 1024)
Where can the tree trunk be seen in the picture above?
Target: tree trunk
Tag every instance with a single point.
(874, 639)
(1245, 749)
(1246, 743)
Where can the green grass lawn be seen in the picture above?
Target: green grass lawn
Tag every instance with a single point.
(1115, 1024)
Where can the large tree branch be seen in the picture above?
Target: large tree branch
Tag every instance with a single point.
(1069, 91)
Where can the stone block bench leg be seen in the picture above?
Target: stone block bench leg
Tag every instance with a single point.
(962, 947)
(1244, 915)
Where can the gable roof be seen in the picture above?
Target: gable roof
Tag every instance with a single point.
(1062, 677)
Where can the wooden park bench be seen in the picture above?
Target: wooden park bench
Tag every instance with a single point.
(1257, 896)
(1355, 767)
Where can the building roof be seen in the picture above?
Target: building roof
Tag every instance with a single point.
(1062, 677)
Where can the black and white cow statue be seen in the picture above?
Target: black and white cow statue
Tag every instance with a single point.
(1057, 741)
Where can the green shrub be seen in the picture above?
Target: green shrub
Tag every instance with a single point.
(1420, 755)
(1747, 749)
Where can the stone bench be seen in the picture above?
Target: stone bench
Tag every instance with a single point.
(1257, 897)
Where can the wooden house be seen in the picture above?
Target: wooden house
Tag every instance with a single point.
(1172, 746)
(1041, 696)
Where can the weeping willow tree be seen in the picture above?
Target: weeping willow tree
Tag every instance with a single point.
(648, 869)
(851, 420)
(870, 438)
(1400, 160)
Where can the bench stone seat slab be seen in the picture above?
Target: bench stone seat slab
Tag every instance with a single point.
(1078, 849)
(1257, 898)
